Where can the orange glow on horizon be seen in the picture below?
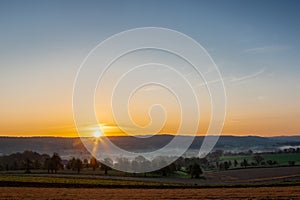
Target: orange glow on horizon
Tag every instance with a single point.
(237, 124)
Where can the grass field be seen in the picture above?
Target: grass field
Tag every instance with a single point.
(282, 159)
(78, 181)
(252, 183)
(237, 177)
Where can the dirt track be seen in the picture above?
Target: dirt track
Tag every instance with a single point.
(145, 194)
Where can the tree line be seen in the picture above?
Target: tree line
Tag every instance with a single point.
(29, 160)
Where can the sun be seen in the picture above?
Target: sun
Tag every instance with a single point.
(97, 134)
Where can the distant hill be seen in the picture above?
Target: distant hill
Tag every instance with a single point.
(68, 147)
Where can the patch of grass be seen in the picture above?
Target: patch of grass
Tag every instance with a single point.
(83, 182)
(282, 159)
(77, 180)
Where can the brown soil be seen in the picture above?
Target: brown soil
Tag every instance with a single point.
(145, 194)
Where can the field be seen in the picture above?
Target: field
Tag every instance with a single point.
(102, 193)
(80, 181)
(251, 183)
(282, 159)
(228, 177)
(255, 175)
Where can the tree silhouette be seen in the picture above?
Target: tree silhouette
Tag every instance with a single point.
(258, 159)
(94, 163)
(235, 163)
(47, 164)
(244, 163)
(28, 165)
(122, 163)
(54, 163)
(72, 164)
(195, 170)
(105, 165)
(226, 165)
(140, 163)
(78, 165)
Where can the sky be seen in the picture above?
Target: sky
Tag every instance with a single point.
(255, 45)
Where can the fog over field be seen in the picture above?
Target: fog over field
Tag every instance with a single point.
(73, 147)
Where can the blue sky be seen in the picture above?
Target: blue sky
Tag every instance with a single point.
(254, 43)
(231, 31)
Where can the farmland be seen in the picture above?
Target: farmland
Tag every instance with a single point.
(102, 193)
(281, 159)
(236, 177)
(250, 183)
